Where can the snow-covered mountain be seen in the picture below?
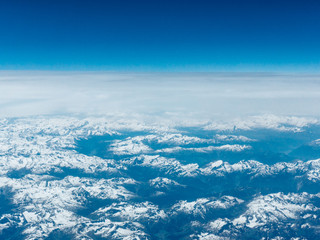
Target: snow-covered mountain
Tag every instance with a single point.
(98, 178)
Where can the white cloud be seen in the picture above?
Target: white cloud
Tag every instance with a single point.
(175, 96)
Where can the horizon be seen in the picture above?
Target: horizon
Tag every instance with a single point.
(189, 95)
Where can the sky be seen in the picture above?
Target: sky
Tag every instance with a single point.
(160, 35)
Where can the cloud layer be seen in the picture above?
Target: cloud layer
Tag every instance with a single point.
(175, 95)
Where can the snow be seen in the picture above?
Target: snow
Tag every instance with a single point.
(202, 205)
(218, 224)
(161, 182)
(129, 147)
(47, 198)
(124, 211)
(274, 208)
(267, 121)
(226, 147)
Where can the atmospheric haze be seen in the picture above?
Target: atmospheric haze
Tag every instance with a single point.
(165, 95)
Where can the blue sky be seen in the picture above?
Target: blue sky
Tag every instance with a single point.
(161, 35)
